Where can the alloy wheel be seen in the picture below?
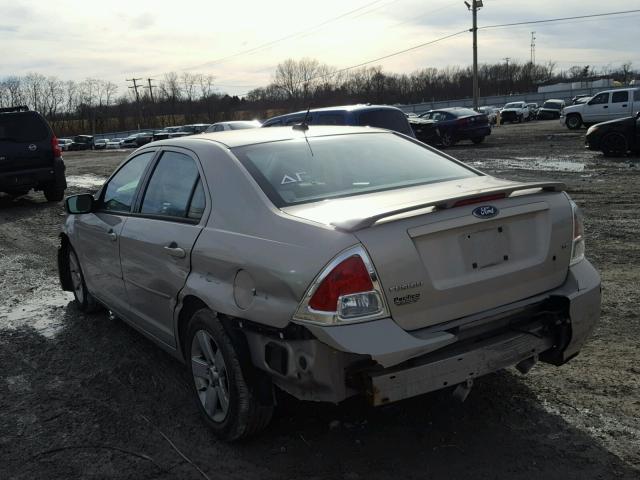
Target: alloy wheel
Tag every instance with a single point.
(210, 375)
(76, 277)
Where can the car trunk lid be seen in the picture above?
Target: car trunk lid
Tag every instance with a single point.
(437, 261)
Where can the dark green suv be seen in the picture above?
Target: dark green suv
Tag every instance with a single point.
(30, 157)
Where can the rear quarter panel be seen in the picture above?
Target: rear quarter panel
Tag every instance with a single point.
(251, 260)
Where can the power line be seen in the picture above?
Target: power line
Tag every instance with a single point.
(281, 39)
(595, 15)
(415, 47)
(400, 52)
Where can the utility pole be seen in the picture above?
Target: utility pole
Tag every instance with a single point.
(135, 88)
(150, 87)
(474, 7)
(533, 48)
(506, 59)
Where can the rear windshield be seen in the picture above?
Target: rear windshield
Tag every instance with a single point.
(462, 112)
(23, 127)
(296, 171)
(514, 105)
(389, 119)
(551, 105)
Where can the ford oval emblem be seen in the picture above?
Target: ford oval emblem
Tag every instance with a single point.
(485, 211)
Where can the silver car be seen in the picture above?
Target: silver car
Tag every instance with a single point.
(329, 262)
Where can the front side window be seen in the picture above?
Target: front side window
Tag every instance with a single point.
(308, 170)
(171, 186)
(600, 99)
(120, 192)
(620, 97)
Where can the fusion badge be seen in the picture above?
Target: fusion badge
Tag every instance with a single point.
(485, 211)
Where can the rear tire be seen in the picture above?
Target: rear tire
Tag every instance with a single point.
(54, 192)
(221, 390)
(574, 122)
(614, 144)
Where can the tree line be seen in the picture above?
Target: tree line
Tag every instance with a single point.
(97, 106)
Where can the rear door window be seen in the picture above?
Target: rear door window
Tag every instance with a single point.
(620, 97)
(171, 187)
(389, 119)
(23, 127)
(120, 191)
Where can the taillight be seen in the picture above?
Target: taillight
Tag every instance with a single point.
(346, 278)
(57, 151)
(577, 245)
(346, 290)
(463, 121)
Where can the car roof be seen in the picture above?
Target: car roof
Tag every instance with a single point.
(252, 136)
(340, 108)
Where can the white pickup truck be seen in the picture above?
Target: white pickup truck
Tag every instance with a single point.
(607, 105)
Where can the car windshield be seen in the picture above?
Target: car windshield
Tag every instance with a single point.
(551, 105)
(308, 170)
(513, 105)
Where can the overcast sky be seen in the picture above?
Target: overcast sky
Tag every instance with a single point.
(118, 39)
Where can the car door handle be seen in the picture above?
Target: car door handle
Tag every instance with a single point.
(112, 235)
(175, 251)
(606, 106)
(625, 105)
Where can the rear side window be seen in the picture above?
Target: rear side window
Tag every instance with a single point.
(389, 119)
(171, 186)
(300, 171)
(620, 97)
(120, 192)
(23, 127)
(330, 119)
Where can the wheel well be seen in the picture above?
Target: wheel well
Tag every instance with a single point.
(259, 381)
(190, 305)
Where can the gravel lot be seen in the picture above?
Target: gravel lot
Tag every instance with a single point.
(88, 397)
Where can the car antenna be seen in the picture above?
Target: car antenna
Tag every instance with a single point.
(304, 126)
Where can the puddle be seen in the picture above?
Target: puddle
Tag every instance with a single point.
(43, 312)
(85, 181)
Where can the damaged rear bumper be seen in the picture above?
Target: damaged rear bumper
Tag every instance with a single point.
(388, 363)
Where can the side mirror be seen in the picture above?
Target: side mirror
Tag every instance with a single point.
(637, 114)
(77, 204)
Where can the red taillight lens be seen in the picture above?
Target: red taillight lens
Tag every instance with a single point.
(57, 151)
(350, 276)
(463, 121)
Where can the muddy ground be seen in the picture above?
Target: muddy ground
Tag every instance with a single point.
(88, 397)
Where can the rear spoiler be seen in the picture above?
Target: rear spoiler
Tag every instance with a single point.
(355, 224)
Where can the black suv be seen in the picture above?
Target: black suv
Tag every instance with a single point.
(30, 156)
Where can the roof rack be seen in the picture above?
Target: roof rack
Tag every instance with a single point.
(18, 108)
